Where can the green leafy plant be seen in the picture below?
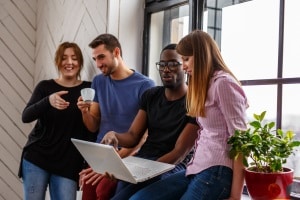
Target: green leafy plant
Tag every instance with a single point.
(262, 147)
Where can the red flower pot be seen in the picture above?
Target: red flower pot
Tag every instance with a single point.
(267, 186)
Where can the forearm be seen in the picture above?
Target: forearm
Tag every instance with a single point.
(127, 140)
(174, 157)
(238, 179)
(183, 146)
(34, 111)
(124, 152)
(91, 122)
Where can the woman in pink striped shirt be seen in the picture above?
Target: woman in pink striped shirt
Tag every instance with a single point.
(217, 99)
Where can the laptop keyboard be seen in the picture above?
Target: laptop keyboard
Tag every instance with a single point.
(137, 170)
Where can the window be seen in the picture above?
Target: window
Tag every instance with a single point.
(166, 26)
(249, 45)
(259, 41)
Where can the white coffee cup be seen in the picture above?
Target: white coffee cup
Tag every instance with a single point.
(87, 94)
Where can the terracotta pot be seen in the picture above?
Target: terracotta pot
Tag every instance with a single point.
(265, 186)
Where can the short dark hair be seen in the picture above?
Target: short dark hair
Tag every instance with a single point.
(171, 46)
(110, 42)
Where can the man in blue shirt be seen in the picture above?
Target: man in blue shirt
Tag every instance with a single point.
(118, 93)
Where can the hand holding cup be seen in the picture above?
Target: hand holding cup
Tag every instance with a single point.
(88, 94)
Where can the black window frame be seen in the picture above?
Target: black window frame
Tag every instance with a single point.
(152, 6)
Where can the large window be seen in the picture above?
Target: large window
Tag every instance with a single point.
(249, 45)
(259, 40)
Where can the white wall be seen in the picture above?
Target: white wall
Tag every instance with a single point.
(58, 21)
(30, 31)
(17, 57)
(131, 32)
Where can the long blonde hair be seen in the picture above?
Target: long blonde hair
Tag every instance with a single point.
(207, 60)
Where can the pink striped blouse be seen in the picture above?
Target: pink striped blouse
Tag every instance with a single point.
(225, 110)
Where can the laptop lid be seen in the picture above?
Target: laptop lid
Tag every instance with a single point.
(104, 158)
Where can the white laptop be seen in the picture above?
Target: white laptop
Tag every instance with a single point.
(104, 158)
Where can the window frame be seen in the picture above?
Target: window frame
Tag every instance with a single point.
(196, 8)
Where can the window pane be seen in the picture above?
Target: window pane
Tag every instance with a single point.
(291, 52)
(291, 119)
(167, 26)
(250, 38)
(155, 44)
(259, 98)
(290, 109)
(179, 28)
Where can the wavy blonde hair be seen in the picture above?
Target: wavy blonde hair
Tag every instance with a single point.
(207, 60)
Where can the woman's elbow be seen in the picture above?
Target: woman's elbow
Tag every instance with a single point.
(26, 119)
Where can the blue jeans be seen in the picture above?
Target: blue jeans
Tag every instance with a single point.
(211, 184)
(125, 190)
(36, 180)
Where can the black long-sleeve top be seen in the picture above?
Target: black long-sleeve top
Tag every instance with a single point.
(49, 145)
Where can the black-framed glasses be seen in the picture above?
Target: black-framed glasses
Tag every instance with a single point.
(171, 65)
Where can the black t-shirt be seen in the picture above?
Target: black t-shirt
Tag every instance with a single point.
(49, 145)
(165, 120)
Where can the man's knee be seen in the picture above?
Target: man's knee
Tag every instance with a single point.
(106, 189)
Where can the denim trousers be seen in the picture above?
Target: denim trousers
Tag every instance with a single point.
(125, 190)
(36, 180)
(211, 184)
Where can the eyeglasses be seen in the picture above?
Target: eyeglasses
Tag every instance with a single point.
(171, 65)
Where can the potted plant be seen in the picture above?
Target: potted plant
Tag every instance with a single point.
(264, 151)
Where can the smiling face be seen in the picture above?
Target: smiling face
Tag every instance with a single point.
(105, 60)
(69, 60)
(171, 76)
(69, 66)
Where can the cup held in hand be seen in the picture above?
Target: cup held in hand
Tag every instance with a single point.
(88, 94)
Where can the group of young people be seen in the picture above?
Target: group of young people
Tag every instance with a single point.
(185, 122)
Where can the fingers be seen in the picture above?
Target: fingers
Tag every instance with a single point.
(82, 174)
(94, 179)
(60, 93)
(79, 99)
(57, 101)
(107, 140)
(97, 180)
(88, 176)
(81, 181)
(111, 141)
(85, 171)
(110, 176)
(82, 105)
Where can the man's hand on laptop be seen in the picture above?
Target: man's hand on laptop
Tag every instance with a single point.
(110, 139)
